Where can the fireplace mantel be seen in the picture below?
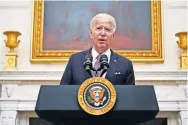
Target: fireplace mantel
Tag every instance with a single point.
(19, 91)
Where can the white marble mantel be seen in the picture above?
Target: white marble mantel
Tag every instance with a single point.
(19, 91)
(56, 75)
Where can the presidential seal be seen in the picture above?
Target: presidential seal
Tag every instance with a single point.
(96, 96)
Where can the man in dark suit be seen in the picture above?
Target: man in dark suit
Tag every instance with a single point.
(102, 33)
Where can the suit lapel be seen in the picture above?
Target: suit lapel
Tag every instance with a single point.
(112, 65)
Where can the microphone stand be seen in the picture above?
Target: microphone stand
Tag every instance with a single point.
(103, 72)
(92, 70)
(90, 73)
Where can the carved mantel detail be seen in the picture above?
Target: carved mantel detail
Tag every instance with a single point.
(9, 118)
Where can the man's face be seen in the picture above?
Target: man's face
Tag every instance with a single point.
(102, 34)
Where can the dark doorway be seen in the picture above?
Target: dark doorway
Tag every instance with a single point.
(38, 121)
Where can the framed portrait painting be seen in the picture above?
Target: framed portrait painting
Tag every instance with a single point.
(61, 28)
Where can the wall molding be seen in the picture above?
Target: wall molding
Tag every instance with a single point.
(56, 75)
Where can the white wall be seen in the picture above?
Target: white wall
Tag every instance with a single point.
(17, 15)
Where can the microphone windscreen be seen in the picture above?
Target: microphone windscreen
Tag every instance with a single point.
(104, 61)
(89, 57)
(88, 61)
(103, 58)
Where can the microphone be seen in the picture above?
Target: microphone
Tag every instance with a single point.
(104, 64)
(88, 63)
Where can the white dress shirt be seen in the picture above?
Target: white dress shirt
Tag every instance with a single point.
(94, 53)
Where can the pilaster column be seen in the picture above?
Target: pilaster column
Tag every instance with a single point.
(9, 118)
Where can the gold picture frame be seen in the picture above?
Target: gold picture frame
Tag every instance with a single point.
(38, 55)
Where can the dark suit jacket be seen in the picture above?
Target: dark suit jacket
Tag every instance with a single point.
(120, 71)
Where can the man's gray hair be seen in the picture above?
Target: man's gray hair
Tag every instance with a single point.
(112, 19)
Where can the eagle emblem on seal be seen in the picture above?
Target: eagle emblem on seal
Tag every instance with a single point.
(96, 96)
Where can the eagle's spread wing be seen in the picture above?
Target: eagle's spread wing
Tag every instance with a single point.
(101, 94)
(91, 94)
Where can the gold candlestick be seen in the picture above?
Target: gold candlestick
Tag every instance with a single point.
(11, 43)
(182, 43)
